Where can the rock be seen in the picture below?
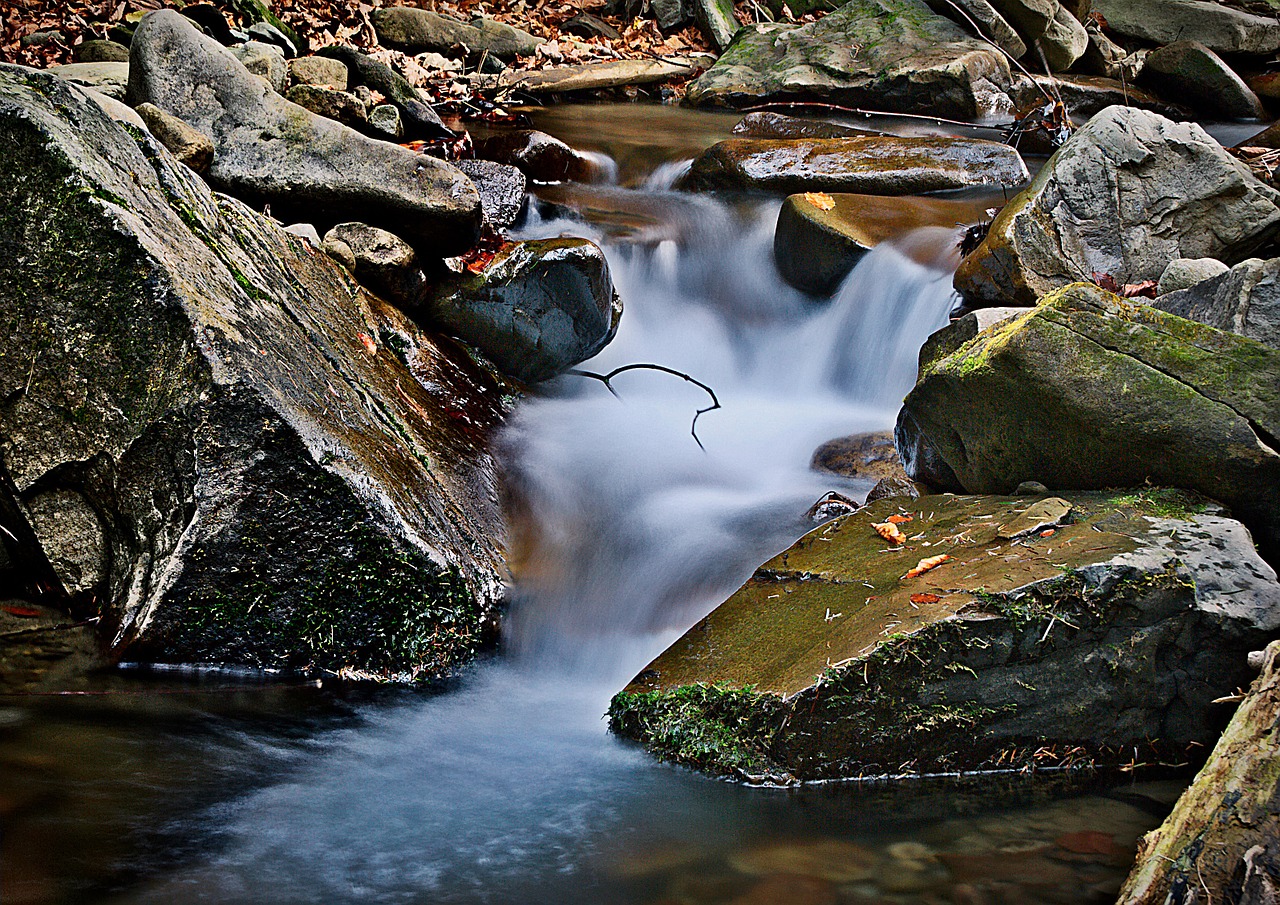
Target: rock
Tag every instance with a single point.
(892, 55)
(670, 14)
(1266, 85)
(1267, 138)
(385, 120)
(501, 188)
(1064, 41)
(266, 61)
(1223, 29)
(716, 21)
(42, 38)
(323, 71)
(766, 124)
(873, 165)
(1032, 18)
(212, 22)
(305, 231)
(285, 471)
(1088, 390)
(1087, 95)
(342, 106)
(864, 457)
(267, 33)
(791, 889)
(1030, 488)
(418, 30)
(537, 309)
(593, 76)
(270, 151)
(110, 79)
(951, 337)
(816, 248)
(1243, 300)
(1195, 74)
(1107, 58)
(989, 22)
(1129, 192)
(188, 145)
(541, 157)
(1183, 273)
(1001, 650)
(260, 11)
(585, 25)
(833, 860)
(382, 261)
(97, 51)
(832, 505)
(896, 487)
(1224, 832)
(420, 119)
(117, 110)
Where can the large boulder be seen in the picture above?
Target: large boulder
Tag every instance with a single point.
(1128, 193)
(1200, 78)
(886, 54)
(1055, 630)
(306, 167)
(1244, 300)
(1088, 390)
(535, 309)
(1222, 28)
(211, 436)
(422, 31)
(990, 24)
(870, 165)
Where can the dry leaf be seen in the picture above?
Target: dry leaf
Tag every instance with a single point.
(925, 598)
(890, 533)
(821, 200)
(1049, 532)
(898, 519)
(924, 565)
(369, 345)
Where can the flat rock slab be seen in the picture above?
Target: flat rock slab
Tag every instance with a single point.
(111, 78)
(593, 76)
(870, 165)
(1220, 28)
(419, 30)
(819, 238)
(307, 167)
(1113, 629)
(885, 54)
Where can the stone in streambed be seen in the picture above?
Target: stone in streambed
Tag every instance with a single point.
(270, 151)
(593, 76)
(385, 120)
(815, 247)
(420, 118)
(961, 330)
(501, 188)
(1221, 28)
(1129, 192)
(1243, 300)
(266, 61)
(872, 165)
(535, 310)
(342, 106)
(766, 124)
(868, 457)
(98, 51)
(317, 70)
(1183, 273)
(380, 260)
(541, 157)
(418, 30)
(1087, 95)
(189, 145)
(1198, 77)
(993, 26)
(1003, 648)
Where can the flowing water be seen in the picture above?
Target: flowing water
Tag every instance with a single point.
(506, 787)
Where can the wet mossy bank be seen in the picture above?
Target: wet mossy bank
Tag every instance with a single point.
(1076, 643)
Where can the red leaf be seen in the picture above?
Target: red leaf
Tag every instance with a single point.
(26, 612)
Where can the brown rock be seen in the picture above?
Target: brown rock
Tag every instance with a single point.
(187, 143)
(863, 456)
(342, 106)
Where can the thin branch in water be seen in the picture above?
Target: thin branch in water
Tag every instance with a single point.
(607, 380)
(789, 105)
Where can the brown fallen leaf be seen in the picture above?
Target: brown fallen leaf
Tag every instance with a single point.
(898, 519)
(890, 533)
(821, 200)
(369, 345)
(925, 598)
(924, 565)
(1048, 532)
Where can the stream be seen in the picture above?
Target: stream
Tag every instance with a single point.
(503, 785)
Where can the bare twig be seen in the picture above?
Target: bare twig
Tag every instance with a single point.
(868, 113)
(607, 379)
(1008, 56)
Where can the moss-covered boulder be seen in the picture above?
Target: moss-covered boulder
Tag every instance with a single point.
(210, 435)
(1089, 390)
(868, 165)
(1055, 630)
(883, 54)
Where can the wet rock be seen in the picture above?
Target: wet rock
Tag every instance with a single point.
(896, 487)
(380, 260)
(323, 71)
(1087, 95)
(1164, 190)
(98, 51)
(951, 337)
(267, 61)
(501, 188)
(789, 889)
(419, 30)
(1223, 29)
(1244, 300)
(990, 23)
(816, 245)
(832, 505)
(420, 119)
(834, 860)
(869, 457)
(109, 78)
(875, 165)
(537, 309)
(270, 151)
(541, 157)
(190, 146)
(1198, 77)
(885, 54)
(594, 76)
(1224, 833)
(286, 471)
(1036, 398)
(1000, 650)
(766, 124)
(342, 106)
(1183, 273)
(385, 120)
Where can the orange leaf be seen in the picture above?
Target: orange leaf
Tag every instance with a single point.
(924, 565)
(369, 345)
(1047, 533)
(898, 519)
(890, 533)
(925, 598)
(821, 200)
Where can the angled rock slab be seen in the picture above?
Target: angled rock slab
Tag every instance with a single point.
(988, 20)
(112, 79)
(870, 165)
(1221, 28)
(593, 76)
(418, 30)
(264, 464)
(1200, 78)
(1129, 192)
(1244, 300)
(885, 54)
(1088, 390)
(1116, 630)
(767, 124)
(306, 167)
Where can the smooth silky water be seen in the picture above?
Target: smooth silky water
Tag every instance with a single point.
(504, 786)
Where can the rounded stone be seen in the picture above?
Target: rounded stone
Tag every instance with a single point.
(1183, 273)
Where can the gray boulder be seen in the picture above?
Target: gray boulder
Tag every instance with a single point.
(990, 24)
(1244, 300)
(1129, 192)
(323, 71)
(716, 20)
(537, 309)
(501, 188)
(418, 30)
(767, 124)
(887, 54)
(1199, 78)
(112, 79)
(1183, 273)
(420, 119)
(385, 119)
(270, 151)
(266, 61)
(214, 438)
(541, 157)
(1221, 28)
(342, 106)
(380, 260)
